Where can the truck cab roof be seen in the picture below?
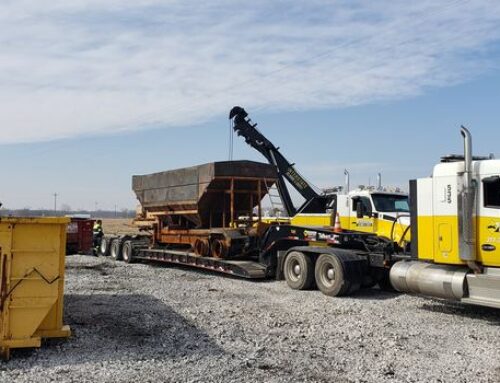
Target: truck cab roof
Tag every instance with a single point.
(489, 166)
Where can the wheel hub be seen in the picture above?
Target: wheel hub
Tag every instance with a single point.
(296, 269)
(330, 273)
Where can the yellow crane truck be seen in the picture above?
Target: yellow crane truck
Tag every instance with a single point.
(366, 209)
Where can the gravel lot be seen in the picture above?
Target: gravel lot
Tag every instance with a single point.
(151, 323)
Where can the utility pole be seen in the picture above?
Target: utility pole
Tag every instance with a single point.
(115, 210)
(55, 203)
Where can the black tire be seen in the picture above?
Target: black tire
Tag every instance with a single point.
(368, 282)
(385, 282)
(128, 252)
(330, 276)
(104, 246)
(299, 271)
(115, 249)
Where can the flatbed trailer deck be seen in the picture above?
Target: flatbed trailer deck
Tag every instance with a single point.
(338, 263)
(243, 268)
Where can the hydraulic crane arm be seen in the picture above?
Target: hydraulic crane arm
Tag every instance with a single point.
(243, 127)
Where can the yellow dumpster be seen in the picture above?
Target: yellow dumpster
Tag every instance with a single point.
(32, 256)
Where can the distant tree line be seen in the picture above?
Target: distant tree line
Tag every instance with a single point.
(28, 212)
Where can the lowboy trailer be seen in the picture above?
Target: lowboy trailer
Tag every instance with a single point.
(336, 263)
(209, 217)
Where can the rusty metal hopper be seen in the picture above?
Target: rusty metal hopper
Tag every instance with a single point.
(208, 195)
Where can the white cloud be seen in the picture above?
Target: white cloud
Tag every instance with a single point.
(69, 68)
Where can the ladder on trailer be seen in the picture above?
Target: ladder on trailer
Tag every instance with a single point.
(275, 199)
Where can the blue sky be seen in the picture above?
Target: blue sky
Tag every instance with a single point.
(93, 92)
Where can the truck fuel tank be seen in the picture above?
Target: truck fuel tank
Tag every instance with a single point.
(440, 281)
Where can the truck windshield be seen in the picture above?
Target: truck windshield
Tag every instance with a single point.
(391, 203)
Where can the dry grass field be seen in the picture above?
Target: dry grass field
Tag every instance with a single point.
(119, 226)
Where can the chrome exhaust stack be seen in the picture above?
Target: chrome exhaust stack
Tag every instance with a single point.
(468, 244)
(379, 181)
(347, 181)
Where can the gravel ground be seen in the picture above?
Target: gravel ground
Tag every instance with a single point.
(151, 323)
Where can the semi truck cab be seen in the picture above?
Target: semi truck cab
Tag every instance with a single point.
(455, 229)
(381, 212)
(439, 212)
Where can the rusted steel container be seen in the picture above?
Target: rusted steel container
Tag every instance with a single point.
(79, 236)
(204, 195)
(210, 207)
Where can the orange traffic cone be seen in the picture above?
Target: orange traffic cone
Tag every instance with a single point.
(337, 226)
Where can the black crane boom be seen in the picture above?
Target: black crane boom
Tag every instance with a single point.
(243, 126)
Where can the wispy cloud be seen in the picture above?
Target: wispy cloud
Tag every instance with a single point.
(78, 67)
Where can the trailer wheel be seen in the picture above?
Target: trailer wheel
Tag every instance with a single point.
(330, 275)
(299, 271)
(115, 250)
(218, 248)
(128, 252)
(104, 246)
(202, 247)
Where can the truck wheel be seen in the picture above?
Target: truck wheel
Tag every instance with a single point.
(330, 275)
(299, 271)
(385, 282)
(128, 252)
(368, 282)
(115, 250)
(104, 247)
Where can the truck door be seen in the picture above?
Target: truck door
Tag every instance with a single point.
(488, 221)
(362, 215)
(331, 209)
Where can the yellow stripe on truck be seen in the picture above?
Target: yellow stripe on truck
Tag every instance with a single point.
(312, 220)
(488, 232)
(383, 226)
(438, 240)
